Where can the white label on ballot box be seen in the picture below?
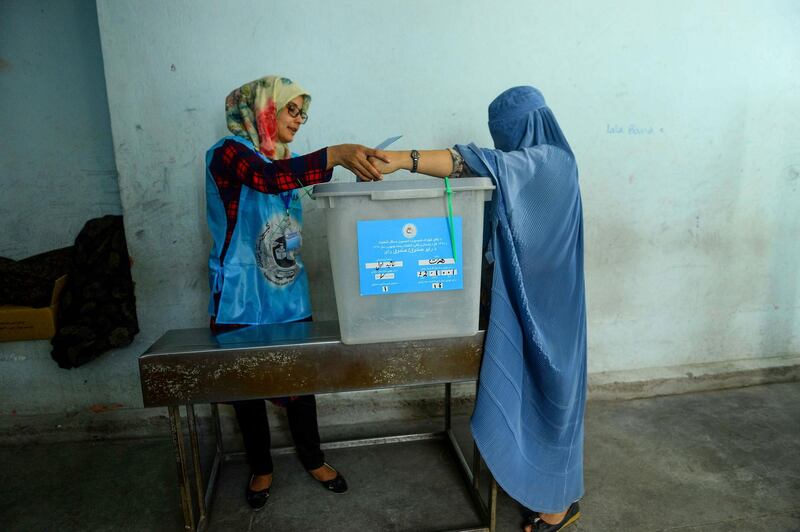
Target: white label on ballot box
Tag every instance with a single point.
(408, 255)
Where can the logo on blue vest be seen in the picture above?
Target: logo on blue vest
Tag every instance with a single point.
(275, 257)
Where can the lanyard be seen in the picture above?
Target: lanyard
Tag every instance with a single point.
(287, 199)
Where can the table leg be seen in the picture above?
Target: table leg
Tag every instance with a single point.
(492, 504)
(219, 458)
(217, 426)
(198, 470)
(183, 476)
(476, 466)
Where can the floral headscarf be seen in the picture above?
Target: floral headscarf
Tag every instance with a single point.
(252, 112)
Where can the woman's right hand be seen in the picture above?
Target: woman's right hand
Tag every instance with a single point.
(358, 159)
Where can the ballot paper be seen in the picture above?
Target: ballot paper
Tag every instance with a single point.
(386, 143)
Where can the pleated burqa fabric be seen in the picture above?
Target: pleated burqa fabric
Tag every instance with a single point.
(528, 419)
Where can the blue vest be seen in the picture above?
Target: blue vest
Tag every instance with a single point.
(262, 279)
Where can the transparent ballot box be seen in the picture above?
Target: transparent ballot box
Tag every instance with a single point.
(406, 256)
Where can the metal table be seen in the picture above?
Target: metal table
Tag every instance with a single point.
(191, 366)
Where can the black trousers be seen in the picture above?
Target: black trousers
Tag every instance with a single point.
(253, 422)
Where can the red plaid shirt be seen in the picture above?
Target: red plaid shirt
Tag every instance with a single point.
(234, 164)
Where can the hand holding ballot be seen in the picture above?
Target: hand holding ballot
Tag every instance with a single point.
(358, 159)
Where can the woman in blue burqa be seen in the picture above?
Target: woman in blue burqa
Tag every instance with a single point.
(528, 418)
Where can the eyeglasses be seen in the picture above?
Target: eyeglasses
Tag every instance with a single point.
(294, 111)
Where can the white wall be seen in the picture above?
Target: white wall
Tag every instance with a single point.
(56, 172)
(682, 116)
(56, 155)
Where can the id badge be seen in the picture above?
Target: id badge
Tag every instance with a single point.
(293, 240)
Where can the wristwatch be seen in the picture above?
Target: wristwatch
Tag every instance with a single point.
(414, 161)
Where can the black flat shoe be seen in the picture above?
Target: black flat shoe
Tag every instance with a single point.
(256, 499)
(337, 484)
(537, 524)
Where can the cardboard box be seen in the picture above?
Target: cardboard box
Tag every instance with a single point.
(28, 323)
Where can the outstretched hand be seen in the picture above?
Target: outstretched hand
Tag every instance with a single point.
(392, 162)
(359, 159)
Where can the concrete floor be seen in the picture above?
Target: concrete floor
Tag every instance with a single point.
(714, 461)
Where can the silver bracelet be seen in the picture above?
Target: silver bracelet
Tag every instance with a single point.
(458, 163)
